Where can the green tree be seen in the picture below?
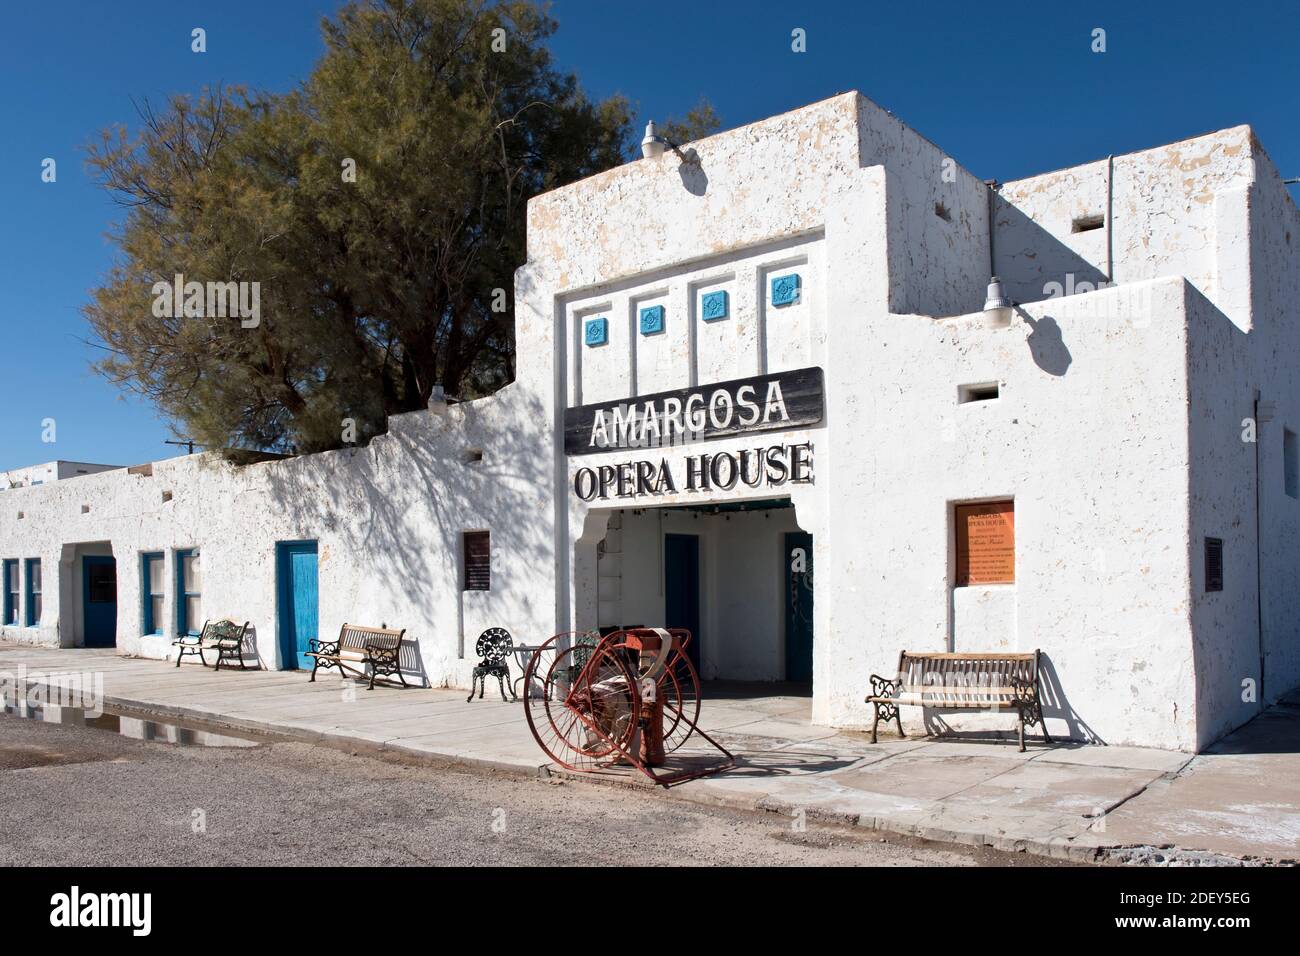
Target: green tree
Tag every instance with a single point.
(380, 208)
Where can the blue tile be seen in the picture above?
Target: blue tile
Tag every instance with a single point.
(652, 319)
(713, 306)
(597, 331)
(785, 289)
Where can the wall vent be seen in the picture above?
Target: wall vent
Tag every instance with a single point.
(977, 392)
(1088, 223)
(1213, 564)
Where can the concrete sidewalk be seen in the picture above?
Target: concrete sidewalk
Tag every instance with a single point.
(1238, 802)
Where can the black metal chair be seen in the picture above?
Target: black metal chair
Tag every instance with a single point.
(494, 647)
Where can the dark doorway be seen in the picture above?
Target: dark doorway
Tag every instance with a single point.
(798, 606)
(99, 600)
(682, 588)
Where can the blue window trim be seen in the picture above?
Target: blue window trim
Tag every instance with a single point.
(10, 573)
(30, 594)
(148, 625)
(182, 625)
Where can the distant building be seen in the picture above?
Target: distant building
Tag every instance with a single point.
(766, 361)
(50, 471)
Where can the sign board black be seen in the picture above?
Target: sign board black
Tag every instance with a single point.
(774, 402)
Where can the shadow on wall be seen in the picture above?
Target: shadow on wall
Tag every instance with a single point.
(691, 170)
(1046, 344)
(1056, 707)
(1032, 263)
(398, 507)
(1036, 266)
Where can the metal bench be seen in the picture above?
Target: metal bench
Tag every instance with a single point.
(494, 647)
(961, 682)
(225, 637)
(359, 648)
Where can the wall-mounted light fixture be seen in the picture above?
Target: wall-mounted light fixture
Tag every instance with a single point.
(653, 145)
(997, 307)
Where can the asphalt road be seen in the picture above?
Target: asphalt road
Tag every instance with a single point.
(90, 797)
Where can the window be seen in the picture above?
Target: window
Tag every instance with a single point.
(33, 592)
(11, 592)
(151, 587)
(1290, 463)
(189, 587)
(986, 543)
(478, 561)
(1214, 564)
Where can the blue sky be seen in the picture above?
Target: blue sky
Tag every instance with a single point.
(1008, 89)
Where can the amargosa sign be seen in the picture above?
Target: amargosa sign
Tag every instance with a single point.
(773, 402)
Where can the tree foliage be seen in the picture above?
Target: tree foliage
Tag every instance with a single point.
(374, 288)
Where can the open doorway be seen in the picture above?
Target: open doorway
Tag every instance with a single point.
(736, 574)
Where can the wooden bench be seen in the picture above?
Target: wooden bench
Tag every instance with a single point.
(358, 648)
(961, 682)
(225, 637)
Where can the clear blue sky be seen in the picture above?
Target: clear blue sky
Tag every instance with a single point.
(1008, 89)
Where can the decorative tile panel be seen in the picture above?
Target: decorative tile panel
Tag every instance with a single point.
(785, 289)
(596, 331)
(652, 319)
(714, 306)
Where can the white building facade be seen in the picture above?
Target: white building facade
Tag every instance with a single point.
(757, 396)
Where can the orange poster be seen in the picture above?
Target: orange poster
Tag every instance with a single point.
(986, 543)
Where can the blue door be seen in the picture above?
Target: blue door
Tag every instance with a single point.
(99, 600)
(298, 602)
(798, 606)
(682, 588)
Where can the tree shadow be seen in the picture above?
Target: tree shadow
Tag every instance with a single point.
(397, 509)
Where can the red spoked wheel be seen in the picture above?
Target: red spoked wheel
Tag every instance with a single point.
(581, 701)
(680, 689)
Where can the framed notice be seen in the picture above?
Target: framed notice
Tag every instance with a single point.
(986, 543)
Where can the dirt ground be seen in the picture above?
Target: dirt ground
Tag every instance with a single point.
(88, 796)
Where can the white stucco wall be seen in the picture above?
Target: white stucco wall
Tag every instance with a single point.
(387, 518)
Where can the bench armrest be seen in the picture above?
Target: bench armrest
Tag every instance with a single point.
(1025, 689)
(883, 687)
(383, 653)
(323, 647)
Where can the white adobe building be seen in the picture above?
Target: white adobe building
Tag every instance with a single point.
(49, 471)
(803, 298)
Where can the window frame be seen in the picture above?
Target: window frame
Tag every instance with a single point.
(1290, 463)
(466, 538)
(32, 617)
(11, 592)
(183, 624)
(149, 627)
